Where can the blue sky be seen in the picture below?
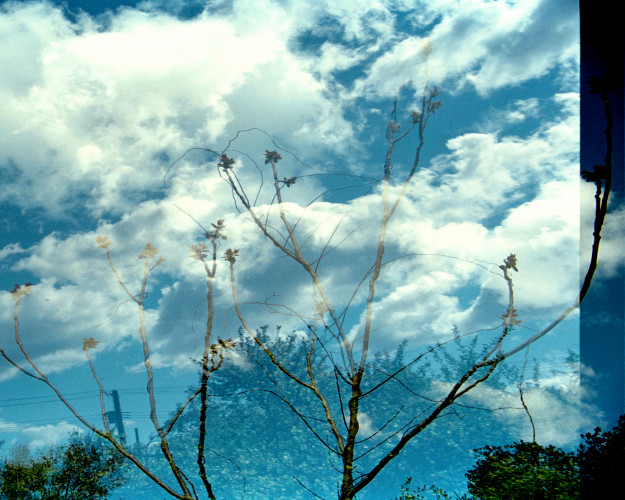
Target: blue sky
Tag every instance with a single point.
(96, 104)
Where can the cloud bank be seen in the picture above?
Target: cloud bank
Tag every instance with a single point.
(95, 109)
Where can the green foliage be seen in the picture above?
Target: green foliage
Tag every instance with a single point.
(524, 470)
(25, 477)
(421, 493)
(83, 469)
(528, 470)
(602, 461)
(247, 451)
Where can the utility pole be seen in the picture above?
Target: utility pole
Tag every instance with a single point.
(115, 417)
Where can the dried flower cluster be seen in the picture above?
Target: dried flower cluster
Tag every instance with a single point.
(89, 343)
(272, 156)
(222, 345)
(225, 162)
(231, 255)
(21, 291)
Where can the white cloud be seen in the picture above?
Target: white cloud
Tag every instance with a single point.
(475, 215)
(556, 413)
(486, 220)
(108, 103)
(524, 109)
(45, 435)
(487, 45)
(27, 30)
(36, 436)
(11, 249)
(98, 111)
(612, 234)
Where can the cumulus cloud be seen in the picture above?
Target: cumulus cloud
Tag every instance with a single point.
(487, 45)
(98, 109)
(556, 413)
(37, 437)
(493, 196)
(445, 249)
(612, 236)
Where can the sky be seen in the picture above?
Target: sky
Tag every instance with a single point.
(99, 99)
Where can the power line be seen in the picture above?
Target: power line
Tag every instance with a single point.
(72, 396)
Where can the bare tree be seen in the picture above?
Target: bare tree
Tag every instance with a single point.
(338, 423)
(348, 354)
(211, 360)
